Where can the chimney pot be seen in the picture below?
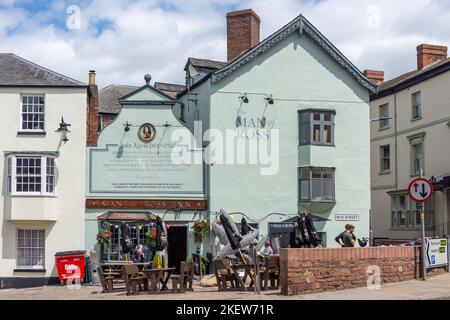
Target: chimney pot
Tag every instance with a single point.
(429, 53)
(91, 77)
(243, 32)
(375, 76)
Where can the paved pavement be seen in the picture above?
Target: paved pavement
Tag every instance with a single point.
(435, 288)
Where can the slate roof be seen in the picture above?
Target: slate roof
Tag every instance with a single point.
(412, 77)
(16, 71)
(205, 63)
(109, 97)
(169, 88)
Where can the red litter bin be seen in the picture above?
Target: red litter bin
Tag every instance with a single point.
(71, 266)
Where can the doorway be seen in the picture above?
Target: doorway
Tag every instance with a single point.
(177, 246)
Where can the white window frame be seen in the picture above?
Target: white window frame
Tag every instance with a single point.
(384, 170)
(414, 140)
(383, 114)
(30, 267)
(11, 177)
(416, 104)
(21, 113)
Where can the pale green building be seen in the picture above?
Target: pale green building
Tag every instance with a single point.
(293, 92)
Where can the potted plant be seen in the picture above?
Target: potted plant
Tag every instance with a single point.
(201, 230)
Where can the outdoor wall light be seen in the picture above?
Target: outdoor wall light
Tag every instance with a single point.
(269, 99)
(63, 129)
(127, 126)
(244, 98)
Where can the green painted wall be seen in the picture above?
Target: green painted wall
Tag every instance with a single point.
(302, 75)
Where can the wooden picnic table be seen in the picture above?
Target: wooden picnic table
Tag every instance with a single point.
(156, 276)
(114, 275)
(247, 267)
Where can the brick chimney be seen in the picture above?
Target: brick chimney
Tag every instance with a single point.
(92, 111)
(428, 54)
(375, 76)
(242, 32)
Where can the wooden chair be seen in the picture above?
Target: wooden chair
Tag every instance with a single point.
(134, 281)
(105, 280)
(224, 274)
(271, 272)
(183, 281)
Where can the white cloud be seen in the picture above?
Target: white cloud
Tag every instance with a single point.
(157, 36)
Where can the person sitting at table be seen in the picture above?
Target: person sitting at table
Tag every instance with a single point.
(139, 254)
(266, 250)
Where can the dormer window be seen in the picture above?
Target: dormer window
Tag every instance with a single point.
(32, 113)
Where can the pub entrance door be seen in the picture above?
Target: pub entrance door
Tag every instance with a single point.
(177, 246)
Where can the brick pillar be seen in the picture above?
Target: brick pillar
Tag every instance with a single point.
(242, 32)
(428, 54)
(92, 111)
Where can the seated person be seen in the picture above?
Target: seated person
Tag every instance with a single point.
(266, 250)
(139, 253)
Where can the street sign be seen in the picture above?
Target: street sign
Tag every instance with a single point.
(420, 190)
(437, 252)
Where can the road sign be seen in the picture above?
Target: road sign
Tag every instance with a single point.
(437, 254)
(420, 190)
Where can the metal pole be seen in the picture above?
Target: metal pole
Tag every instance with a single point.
(448, 253)
(422, 226)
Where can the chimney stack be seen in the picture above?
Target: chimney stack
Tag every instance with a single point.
(375, 76)
(428, 54)
(242, 32)
(92, 111)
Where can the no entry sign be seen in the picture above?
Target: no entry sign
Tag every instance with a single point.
(420, 190)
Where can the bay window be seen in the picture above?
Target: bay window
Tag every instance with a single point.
(31, 174)
(317, 184)
(316, 127)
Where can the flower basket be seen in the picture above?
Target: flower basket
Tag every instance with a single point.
(151, 237)
(201, 230)
(104, 236)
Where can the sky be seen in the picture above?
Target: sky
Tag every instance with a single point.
(123, 40)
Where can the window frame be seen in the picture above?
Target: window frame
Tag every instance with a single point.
(321, 179)
(11, 176)
(310, 122)
(383, 123)
(416, 105)
(21, 113)
(384, 170)
(17, 247)
(411, 211)
(414, 140)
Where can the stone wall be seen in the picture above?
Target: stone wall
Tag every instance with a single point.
(318, 270)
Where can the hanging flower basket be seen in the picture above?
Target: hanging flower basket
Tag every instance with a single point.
(151, 237)
(104, 236)
(201, 230)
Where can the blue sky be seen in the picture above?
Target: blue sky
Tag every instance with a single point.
(123, 40)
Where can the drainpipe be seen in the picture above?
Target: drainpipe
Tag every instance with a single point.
(395, 142)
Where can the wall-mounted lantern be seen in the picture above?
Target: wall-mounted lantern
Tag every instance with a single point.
(63, 129)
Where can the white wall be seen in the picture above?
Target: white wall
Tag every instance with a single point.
(65, 229)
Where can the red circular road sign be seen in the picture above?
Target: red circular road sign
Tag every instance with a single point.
(420, 190)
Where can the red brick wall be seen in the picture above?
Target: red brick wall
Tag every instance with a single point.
(92, 115)
(106, 120)
(242, 32)
(318, 270)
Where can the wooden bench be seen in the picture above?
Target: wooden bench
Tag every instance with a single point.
(134, 280)
(183, 281)
(224, 274)
(270, 272)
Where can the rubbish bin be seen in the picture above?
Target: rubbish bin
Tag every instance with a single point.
(71, 266)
